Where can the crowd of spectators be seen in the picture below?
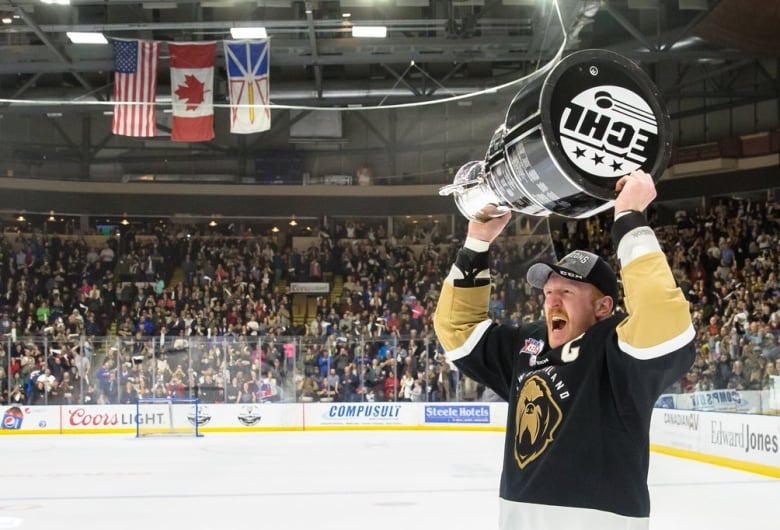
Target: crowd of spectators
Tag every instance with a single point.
(165, 311)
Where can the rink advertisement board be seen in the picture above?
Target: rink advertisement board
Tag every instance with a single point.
(457, 413)
(405, 415)
(726, 400)
(744, 441)
(32, 420)
(159, 417)
(88, 419)
(334, 415)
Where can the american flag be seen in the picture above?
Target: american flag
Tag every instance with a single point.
(135, 86)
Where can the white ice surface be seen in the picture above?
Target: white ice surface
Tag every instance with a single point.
(361, 480)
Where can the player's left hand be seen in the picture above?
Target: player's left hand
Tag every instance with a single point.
(635, 192)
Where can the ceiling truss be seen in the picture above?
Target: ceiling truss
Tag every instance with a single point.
(435, 48)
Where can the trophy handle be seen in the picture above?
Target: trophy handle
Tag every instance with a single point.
(449, 189)
(468, 175)
(473, 195)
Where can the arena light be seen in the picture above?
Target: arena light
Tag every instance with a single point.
(293, 222)
(249, 33)
(212, 223)
(86, 37)
(373, 32)
(159, 5)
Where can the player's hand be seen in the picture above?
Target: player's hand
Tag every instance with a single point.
(635, 192)
(495, 221)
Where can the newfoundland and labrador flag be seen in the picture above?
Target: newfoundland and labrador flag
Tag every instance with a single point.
(192, 87)
(248, 80)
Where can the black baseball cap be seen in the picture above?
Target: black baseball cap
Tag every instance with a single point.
(581, 266)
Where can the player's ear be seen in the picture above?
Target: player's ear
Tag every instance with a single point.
(604, 306)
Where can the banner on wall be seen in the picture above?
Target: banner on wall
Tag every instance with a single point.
(309, 287)
(726, 400)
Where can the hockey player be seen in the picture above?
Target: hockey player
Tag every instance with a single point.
(580, 384)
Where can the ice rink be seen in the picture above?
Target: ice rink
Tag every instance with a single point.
(377, 480)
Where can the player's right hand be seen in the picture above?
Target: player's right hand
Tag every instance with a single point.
(489, 230)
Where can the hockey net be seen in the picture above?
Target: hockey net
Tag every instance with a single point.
(168, 417)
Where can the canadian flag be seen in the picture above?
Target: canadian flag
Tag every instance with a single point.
(192, 87)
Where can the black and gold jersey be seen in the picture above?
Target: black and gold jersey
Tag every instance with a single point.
(577, 447)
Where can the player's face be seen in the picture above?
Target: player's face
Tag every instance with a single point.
(570, 308)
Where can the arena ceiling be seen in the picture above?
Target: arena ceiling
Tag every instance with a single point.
(725, 51)
(457, 45)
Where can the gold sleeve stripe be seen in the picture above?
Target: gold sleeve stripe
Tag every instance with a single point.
(673, 344)
(471, 342)
(461, 317)
(659, 319)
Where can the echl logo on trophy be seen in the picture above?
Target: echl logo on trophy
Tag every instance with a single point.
(606, 130)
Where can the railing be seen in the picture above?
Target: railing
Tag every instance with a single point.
(52, 370)
(64, 370)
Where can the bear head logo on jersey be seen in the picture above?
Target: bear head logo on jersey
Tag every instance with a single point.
(536, 419)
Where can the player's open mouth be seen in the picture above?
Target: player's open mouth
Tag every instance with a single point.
(557, 323)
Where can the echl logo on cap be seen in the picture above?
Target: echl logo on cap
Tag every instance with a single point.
(607, 130)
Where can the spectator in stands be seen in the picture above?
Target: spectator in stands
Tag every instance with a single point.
(396, 271)
(341, 361)
(129, 394)
(738, 379)
(328, 390)
(348, 384)
(16, 395)
(309, 389)
(405, 386)
(771, 377)
(267, 388)
(233, 391)
(390, 385)
(43, 312)
(310, 366)
(722, 371)
(245, 394)
(770, 349)
(323, 362)
(443, 379)
(107, 257)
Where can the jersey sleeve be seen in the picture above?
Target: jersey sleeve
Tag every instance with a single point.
(477, 346)
(659, 319)
(656, 338)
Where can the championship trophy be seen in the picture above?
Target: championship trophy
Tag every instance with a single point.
(568, 137)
